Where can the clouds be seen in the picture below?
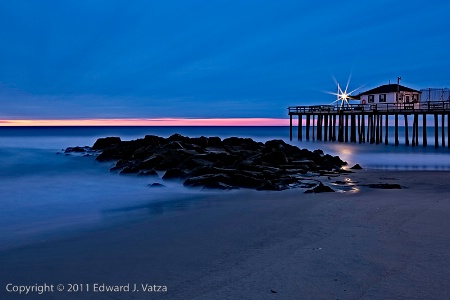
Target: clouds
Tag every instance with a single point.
(232, 55)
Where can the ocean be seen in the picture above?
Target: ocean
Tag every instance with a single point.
(45, 193)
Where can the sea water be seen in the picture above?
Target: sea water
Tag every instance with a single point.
(44, 192)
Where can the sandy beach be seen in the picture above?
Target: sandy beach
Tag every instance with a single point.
(365, 244)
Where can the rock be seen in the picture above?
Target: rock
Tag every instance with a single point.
(129, 170)
(272, 158)
(194, 162)
(156, 184)
(214, 141)
(75, 149)
(328, 162)
(201, 141)
(209, 179)
(385, 186)
(271, 186)
(356, 167)
(219, 186)
(151, 162)
(174, 173)
(179, 138)
(320, 188)
(148, 173)
(106, 142)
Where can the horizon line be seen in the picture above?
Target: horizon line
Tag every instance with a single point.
(148, 122)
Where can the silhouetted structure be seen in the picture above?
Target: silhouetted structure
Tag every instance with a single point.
(370, 122)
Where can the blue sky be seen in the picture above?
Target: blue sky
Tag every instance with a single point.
(210, 59)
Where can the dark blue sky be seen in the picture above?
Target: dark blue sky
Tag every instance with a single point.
(202, 59)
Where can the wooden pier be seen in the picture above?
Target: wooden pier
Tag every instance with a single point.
(361, 123)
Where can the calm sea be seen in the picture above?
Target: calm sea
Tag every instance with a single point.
(43, 193)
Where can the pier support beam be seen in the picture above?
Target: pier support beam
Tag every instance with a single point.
(330, 129)
(381, 129)
(372, 129)
(313, 127)
(325, 127)
(319, 127)
(416, 124)
(386, 142)
(353, 128)
(346, 128)
(443, 129)
(424, 130)
(308, 124)
(406, 131)
(377, 129)
(334, 128)
(359, 129)
(363, 128)
(436, 131)
(300, 127)
(396, 129)
(290, 127)
(448, 130)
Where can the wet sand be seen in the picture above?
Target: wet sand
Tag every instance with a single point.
(370, 244)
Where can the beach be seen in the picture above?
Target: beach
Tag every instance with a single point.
(245, 244)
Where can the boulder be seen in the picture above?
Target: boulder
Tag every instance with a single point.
(219, 186)
(208, 179)
(356, 167)
(129, 170)
(75, 149)
(272, 158)
(103, 143)
(174, 173)
(320, 188)
(148, 173)
(156, 184)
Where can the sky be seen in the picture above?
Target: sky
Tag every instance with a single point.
(69, 60)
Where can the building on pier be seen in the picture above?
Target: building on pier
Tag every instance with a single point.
(389, 93)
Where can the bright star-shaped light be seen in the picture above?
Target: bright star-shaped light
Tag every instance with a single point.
(343, 96)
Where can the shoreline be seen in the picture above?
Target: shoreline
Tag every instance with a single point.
(243, 244)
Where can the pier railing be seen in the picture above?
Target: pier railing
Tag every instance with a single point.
(420, 107)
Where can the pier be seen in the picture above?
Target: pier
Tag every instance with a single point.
(369, 123)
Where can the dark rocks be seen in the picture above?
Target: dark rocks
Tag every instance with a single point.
(103, 143)
(213, 163)
(356, 167)
(75, 149)
(174, 173)
(219, 186)
(320, 188)
(129, 170)
(148, 173)
(272, 158)
(156, 185)
(208, 179)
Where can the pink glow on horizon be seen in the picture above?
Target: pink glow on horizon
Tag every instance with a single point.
(151, 122)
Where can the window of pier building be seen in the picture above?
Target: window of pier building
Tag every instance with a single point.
(371, 97)
(382, 98)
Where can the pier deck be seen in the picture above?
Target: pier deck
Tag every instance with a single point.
(364, 122)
